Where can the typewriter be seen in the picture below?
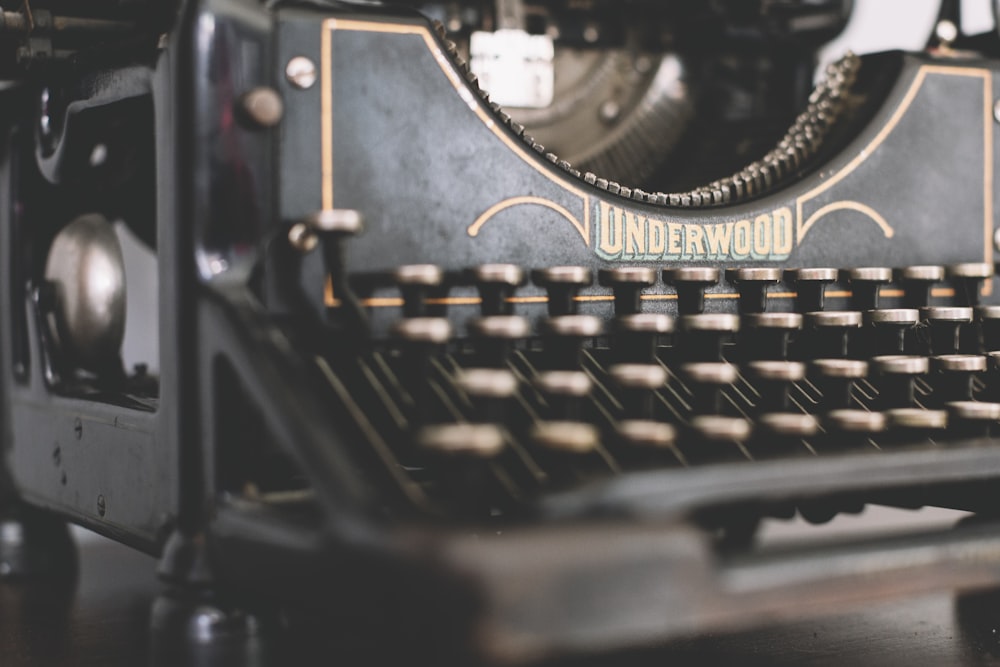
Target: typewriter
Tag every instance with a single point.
(516, 376)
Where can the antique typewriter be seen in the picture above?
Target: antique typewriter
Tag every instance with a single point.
(516, 377)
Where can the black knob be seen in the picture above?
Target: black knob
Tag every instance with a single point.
(865, 284)
(810, 287)
(497, 283)
(752, 284)
(418, 282)
(968, 280)
(627, 283)
(888, 328)
(917, 282)
(563, 283)
(691, 283)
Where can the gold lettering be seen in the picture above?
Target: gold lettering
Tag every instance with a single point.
(782, 235)
(762, 236)
(611, 239)
(635, 235)
(741, 239)
(692, 241)
(718, 239)
(674, 239)
(657, 240)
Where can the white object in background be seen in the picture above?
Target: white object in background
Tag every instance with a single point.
(514, 67)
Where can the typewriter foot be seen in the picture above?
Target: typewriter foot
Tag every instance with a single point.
(192, 622)
(35, 544)
(195, 627)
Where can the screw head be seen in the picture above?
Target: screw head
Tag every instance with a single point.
(263, 106)
(946, 31)
(301, 72)
(302, 238)
(102, 505)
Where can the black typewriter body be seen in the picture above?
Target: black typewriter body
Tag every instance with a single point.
(410, 360)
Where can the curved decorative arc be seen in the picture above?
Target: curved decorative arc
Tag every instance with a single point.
(506, 204)
(846, 205)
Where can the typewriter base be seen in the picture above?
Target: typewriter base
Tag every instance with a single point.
(105, 621)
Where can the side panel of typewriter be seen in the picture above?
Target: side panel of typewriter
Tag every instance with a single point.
(80, 433)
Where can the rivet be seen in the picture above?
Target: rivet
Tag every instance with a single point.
(301, 72)
(263, 106)
(302, 238)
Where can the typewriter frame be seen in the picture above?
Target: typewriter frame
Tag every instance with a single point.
(149, 478)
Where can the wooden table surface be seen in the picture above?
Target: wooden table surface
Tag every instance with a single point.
(103, 621)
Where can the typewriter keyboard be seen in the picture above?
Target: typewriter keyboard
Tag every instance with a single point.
(488, 401)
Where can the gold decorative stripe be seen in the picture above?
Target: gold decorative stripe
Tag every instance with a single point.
(396, 302)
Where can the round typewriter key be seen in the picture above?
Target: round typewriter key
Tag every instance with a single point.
(565, 336)
(637, 337)
(496, 284)
(460, 454)
(488, 390)
(637, 384)
(627, 283)
(566, 436)
(773, 381)
(638, 376)
(917, 282)
(487, 382)
(421, 339)
(989, 325)
(567, 450)
(706, 381)
(945, 324)
(430, 330)
(418, 282)
(690, 283)
(973, 419)
(916, 420)
(564, 392)
(782, 433)
(496, 337)
(337, 221)
(792, 424)
(752, 284)
(562, 283)
(865, 284)
(835, 378)
(705, 335)
(968, 280)
(810, 286)
(895, 378)
(889, 328)
(482, 441)
(718, 438)
(509, 327)
(992, 379)
(855, 421)
(564, 383)
(952, 376)
(647, 433)
(766, 335)
(644, 443)
(829, 333)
